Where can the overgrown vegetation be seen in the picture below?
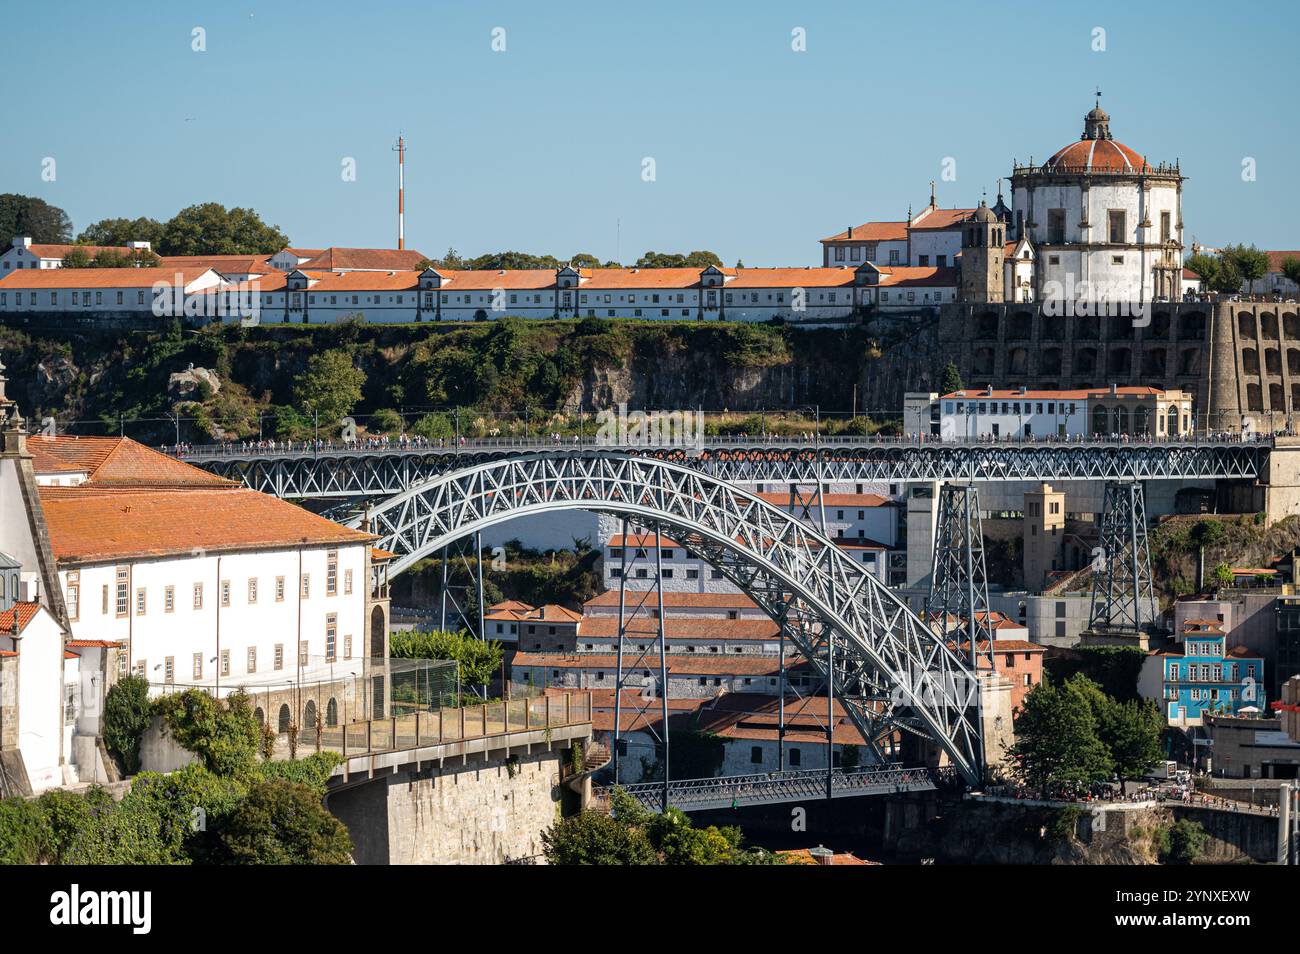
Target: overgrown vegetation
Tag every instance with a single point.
(634, 836)
(500, 378)
(224, 808)
(479, 660)
(1181, 843)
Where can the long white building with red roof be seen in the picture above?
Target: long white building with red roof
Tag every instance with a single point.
(138, 563)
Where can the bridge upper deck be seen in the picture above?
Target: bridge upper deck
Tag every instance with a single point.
(348, 470)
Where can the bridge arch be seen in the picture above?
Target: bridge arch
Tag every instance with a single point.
(891, 671)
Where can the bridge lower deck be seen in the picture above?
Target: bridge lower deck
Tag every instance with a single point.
(774, 788)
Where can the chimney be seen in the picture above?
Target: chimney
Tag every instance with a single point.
(850, 231)
(1024, 389)
(1114, 389)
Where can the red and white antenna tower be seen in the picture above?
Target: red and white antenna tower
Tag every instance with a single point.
(400, 149)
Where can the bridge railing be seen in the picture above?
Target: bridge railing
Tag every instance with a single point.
(438, 726)
(301, 448)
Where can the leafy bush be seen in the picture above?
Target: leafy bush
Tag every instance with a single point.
(223, 734)
(127, 711)
(284, 823)
(314, 771)
(592, 838)
(25, 835)
(479, 660)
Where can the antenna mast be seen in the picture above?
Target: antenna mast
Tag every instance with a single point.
(400, 149)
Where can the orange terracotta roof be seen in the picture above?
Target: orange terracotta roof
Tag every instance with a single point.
(59, 251)
(873, 232)
(937, 219)
(116, 462)
(1095, 155)
(220, 263)
(904, 276)
(681, 627)
(804, 856)
(1275, 260)
(600, 278)
(69, 654)
(791, 278)
(93, 643)
(672, 599)
(513, 279)
(378, 554)
(381, 259)
(25, 612)
(53, 278)
(364, 281)
(747, 664)
(93, 525)
(640, 540)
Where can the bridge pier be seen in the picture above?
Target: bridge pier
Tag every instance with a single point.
(1124, 606)
(959, 582)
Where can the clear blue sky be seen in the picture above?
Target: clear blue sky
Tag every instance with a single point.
(760, 151)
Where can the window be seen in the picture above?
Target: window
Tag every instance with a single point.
(306, 586)
(279, 589)
(252, 659)
(347, 647)
(331, 636)
(1116, 219)
(73, 592)
(197, 666)
(169, 599)
(1164, 227)
(169, 669)
(302, 653)
(347, 582)
(225, 592)
(122, 597)
(796, 757)
(332, 573)
(225, 662)
(252, 589)
(198, 596)
(279, 655)
(1056, 226)
(756, 755)
(140, 601)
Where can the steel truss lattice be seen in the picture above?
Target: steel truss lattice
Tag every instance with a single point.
(888, 668)
(1123, 596)
(378, 473)
(959, 585)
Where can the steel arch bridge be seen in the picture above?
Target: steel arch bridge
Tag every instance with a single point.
(343, 472)
(889, 669)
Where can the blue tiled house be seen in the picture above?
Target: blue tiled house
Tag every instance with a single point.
(1203, 676)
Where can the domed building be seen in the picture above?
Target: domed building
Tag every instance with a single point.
(1104, 222)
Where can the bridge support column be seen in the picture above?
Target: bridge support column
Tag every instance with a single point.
(959, 582)
(1123, 598)
(995, 723)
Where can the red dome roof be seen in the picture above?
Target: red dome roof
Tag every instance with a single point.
(1095, 155)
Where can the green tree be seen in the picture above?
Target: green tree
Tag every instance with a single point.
(1227, 277)
(584, 260)
(699, 259)
(283, 823)
(122, 231)
(330, 385)
(1291, 269)
(1222, 575)
(1131, 733)
(1250, 262)
(951, 380)
(127, 712)
(34, 218)
(593, 838)
(1056, 740)
(211, 229)
(1206, 266)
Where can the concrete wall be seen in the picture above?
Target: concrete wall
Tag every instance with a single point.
(485, 812)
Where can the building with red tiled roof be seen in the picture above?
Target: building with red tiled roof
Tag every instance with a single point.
(1014, 413)
(24, 254)
(71, 460)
